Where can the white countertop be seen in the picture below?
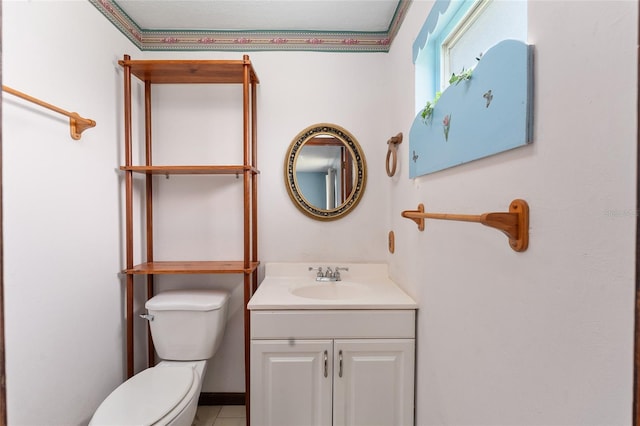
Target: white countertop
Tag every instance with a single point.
(370, 288)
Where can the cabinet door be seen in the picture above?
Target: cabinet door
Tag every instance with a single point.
(373, 382)
(291, 382)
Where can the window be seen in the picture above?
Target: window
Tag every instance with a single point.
(455, 36)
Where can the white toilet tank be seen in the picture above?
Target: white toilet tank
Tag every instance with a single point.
(187, 325)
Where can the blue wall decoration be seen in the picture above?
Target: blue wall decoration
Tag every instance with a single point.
(487, 114)
(482, 116)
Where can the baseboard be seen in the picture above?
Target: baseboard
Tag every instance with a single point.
(222, 398)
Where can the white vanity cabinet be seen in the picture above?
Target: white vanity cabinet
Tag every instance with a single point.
(340, 367)
(373, 382)
(291, 383)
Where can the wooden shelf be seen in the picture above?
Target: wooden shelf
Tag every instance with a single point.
(177, 72)
(192, 267)
(191, 170)
(152, 72)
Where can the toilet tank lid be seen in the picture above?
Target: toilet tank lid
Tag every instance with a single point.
(188, 300)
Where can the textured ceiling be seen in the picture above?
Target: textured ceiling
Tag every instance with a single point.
(244, 25)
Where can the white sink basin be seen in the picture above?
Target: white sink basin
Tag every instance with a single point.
(291, 286)
(330, 291)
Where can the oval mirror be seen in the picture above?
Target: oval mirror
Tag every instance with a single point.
(325, 171)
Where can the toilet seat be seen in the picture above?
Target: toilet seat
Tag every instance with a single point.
(146, 397)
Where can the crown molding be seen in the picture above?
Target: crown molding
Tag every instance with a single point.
(200, 40)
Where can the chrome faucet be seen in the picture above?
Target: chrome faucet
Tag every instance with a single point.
(329, 274)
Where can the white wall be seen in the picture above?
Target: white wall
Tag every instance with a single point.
(541, 337)
(544, 336)
(296, 89)
(62, 246)
(80, 339)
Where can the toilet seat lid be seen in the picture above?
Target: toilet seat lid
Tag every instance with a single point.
(146, 397)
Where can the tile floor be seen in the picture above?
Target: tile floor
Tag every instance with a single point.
(215, 415)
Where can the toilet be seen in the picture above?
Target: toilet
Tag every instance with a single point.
(187, 327)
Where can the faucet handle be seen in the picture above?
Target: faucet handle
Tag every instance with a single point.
(336, 273)
(319, 269)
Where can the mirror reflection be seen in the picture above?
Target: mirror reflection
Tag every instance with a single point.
(325, 171)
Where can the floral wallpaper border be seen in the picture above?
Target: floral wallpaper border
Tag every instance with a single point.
(252, 40)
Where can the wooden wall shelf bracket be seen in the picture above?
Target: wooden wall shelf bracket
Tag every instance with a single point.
(514, 223)
(77, 124)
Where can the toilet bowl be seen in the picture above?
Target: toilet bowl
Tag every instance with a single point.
(187, 327)
(166, 394)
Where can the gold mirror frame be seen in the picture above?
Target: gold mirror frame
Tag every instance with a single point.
(359, 164)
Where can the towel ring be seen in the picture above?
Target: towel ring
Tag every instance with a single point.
(392, 154)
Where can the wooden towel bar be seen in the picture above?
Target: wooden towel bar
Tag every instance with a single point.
(77, 124)
(514, 224)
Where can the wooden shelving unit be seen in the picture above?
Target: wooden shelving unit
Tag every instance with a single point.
(190, 170)
(152, 72)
